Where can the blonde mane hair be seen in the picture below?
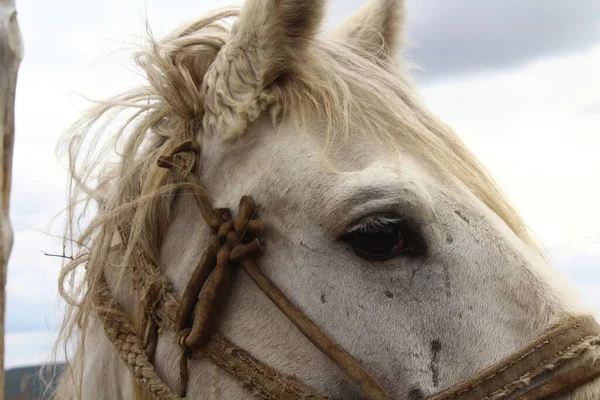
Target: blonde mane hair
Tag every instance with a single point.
(351, 91)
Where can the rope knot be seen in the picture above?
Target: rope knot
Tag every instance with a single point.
(231, 242)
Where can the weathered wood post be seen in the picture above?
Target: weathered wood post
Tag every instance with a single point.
(11, 54)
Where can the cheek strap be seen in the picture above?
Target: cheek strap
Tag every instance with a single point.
(528, 373)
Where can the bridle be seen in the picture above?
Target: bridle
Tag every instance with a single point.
(234, 243)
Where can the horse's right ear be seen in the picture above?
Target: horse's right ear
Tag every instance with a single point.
(376, 28)
(269, 39)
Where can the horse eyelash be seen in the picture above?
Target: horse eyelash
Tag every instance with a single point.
(374, 220)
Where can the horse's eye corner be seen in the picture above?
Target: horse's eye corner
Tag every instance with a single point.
(383, 240)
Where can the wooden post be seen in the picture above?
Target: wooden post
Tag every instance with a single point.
(11, 54)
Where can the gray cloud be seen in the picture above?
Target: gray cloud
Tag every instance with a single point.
(448, 38)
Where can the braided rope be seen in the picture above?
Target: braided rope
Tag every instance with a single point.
(158, 304)
(121, 332)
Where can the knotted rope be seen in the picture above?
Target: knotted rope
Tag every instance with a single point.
(231, 243)
(194, 317)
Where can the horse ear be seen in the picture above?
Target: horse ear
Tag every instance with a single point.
(376, 28)
(269, 39)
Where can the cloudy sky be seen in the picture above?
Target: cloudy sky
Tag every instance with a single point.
(517, 79)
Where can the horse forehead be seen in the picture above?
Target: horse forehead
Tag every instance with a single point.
(334, 172)
(341, 160)
(284, 165)
(323, 188)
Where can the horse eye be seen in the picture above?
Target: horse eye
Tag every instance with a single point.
(379, 242)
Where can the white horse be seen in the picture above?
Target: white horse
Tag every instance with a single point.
(380, 225)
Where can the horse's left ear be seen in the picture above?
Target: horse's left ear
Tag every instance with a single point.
(376, 28)
(269, 39)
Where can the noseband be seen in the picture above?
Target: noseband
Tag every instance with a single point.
(234, 243)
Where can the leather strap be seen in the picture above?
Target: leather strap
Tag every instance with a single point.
(563, 383)
(260, 379)
(343, 360)
(563, 342)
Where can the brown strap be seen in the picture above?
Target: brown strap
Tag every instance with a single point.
(563, 342)
(343, 360)
(563, 383)
(257, 377)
